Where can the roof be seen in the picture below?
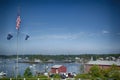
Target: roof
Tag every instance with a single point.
(56, 66)
(99, 62)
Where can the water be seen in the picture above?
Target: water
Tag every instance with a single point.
(8, 66)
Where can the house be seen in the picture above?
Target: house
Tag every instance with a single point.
(58, 69)
(37, 61)
(102, 64)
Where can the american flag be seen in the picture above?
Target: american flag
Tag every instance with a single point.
(18, 22)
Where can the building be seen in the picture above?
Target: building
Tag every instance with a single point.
(37, 61)
(101, 64)
(58, 69)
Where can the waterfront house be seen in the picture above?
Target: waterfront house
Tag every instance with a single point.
(37, 61)
(58, 69)
(102, 64)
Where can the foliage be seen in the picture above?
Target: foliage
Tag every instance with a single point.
(27, 72)
(4, 79)
(19, 76)
(56, 76)
(82, 76)
(111, 73)
(43, 77)
(114, 72)
(105, 73)
(113, 67)
(95, 71)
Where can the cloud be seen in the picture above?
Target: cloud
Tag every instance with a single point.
(55, 36)
(67, 36)
(105, 32)
(71, 36)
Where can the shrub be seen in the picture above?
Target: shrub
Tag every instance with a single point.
(43, 77)
(82, 76)
(27, 73)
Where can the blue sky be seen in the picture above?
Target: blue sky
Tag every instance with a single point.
(61, 26)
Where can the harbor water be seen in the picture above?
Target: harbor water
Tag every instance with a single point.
(8, 66)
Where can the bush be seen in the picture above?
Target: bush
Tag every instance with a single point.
(82, 76)
(57, 76)
(102, 74)
(4, 79)
(27, 73)
(95, 71)
(43, 77)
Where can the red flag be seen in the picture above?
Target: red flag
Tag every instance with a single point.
(18, 22)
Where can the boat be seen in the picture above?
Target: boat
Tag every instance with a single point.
(2, 74)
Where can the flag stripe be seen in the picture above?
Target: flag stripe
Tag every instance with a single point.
(18, 21)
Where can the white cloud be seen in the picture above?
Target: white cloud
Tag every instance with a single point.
(61, 36)
(67, 36)
(105, 32)
(58, 37)
(70, 36)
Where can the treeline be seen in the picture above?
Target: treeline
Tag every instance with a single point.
(60, 57)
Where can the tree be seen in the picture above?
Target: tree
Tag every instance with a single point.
(114, 72)
(27, 72)
(56, 76)
(111, 73)
(96, 71)
(82, 76)
(43, 77)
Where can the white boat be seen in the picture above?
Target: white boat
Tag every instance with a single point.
(32, 66)
(2, 74)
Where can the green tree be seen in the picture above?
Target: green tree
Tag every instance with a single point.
(96, 72)
(111, 73)
(43, 77)
(57, 76)
(27, 72)
(114, 72)
(82, 76)
(105, 73)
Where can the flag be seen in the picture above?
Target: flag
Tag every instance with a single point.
(9, 36)
(26, 38)
(18, 21)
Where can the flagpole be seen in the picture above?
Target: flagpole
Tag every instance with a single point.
(17, 55)
(17, 27)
